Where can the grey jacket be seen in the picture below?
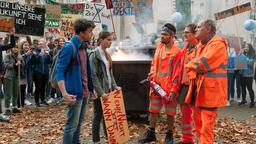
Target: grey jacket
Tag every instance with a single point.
(11, 70)
(99, 74)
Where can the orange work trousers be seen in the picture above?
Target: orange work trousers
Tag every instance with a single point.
(204, 121)
(187, 123)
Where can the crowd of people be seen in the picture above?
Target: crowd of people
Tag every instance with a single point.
(25, 72)
(195, 77)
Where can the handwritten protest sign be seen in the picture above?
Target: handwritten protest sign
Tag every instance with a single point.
(115, 118)
(67, 22)
(233, 11)
(6, 24)
(53, 15)
(97, 13)
(69, 8)
(122, 8)
(29, 20)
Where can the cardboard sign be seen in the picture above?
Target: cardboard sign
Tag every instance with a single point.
(115, 118)
(29, 20)
(67, 23)
(97, 13)
(6, 24)
(233, 11)
(123, 8)
(53, 15)
(69, 8)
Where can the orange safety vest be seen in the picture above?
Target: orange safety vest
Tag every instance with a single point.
(179, 71)
(209, 69)
(161, 67)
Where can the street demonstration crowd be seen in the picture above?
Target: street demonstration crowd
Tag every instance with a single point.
(196, 77)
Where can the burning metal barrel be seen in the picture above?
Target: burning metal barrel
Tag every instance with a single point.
(128, 74)
(129, 68)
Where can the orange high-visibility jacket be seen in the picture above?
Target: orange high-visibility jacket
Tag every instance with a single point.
(179, 72)
(209, 71)
(161, 67)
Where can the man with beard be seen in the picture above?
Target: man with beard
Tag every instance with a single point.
(161, 69)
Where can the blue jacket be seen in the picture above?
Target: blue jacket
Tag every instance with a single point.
(250, 67)
(69, 70)
(40, 63)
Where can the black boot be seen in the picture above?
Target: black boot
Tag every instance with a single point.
(149, 136)
(169, 137)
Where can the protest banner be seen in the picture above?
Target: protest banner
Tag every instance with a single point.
(53, 15)
(29, 20)
(115, 118)
(67, 23)
(123, 8)
(69, 8)
(6, 24)
(97, 13)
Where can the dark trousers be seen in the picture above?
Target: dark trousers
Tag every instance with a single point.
(246, 82)
(30, 82)
(238, 84)
(40, 84)
(21, 99)
(97, 119)
(231, 85)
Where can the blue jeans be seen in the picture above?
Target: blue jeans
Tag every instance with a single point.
(75, 115)
(231, 85)
(238, 84)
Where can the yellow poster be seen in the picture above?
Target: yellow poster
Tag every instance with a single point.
(67, 25)
(115, 118)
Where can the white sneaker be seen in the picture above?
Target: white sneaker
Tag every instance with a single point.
(51, 100)
(27, 102)
(239, 100)
(231, 99)
(228, 103)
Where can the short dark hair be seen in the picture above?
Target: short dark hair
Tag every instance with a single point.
(171, 27)
(192, 27)
(81, 25)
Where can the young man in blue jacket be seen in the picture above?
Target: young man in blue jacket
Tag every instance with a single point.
(73, 74)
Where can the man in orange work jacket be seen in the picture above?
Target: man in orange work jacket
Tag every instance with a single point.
(161, 69)
(179, 83)
(208, 73)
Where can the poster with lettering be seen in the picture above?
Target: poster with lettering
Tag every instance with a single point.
(69, 8)
(115, 118)
(29, 20)
(6, 24)
(67, 23)
(123, 8)
(97, 13)
(53, 15)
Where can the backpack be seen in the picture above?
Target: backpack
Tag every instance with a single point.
(52, 73)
